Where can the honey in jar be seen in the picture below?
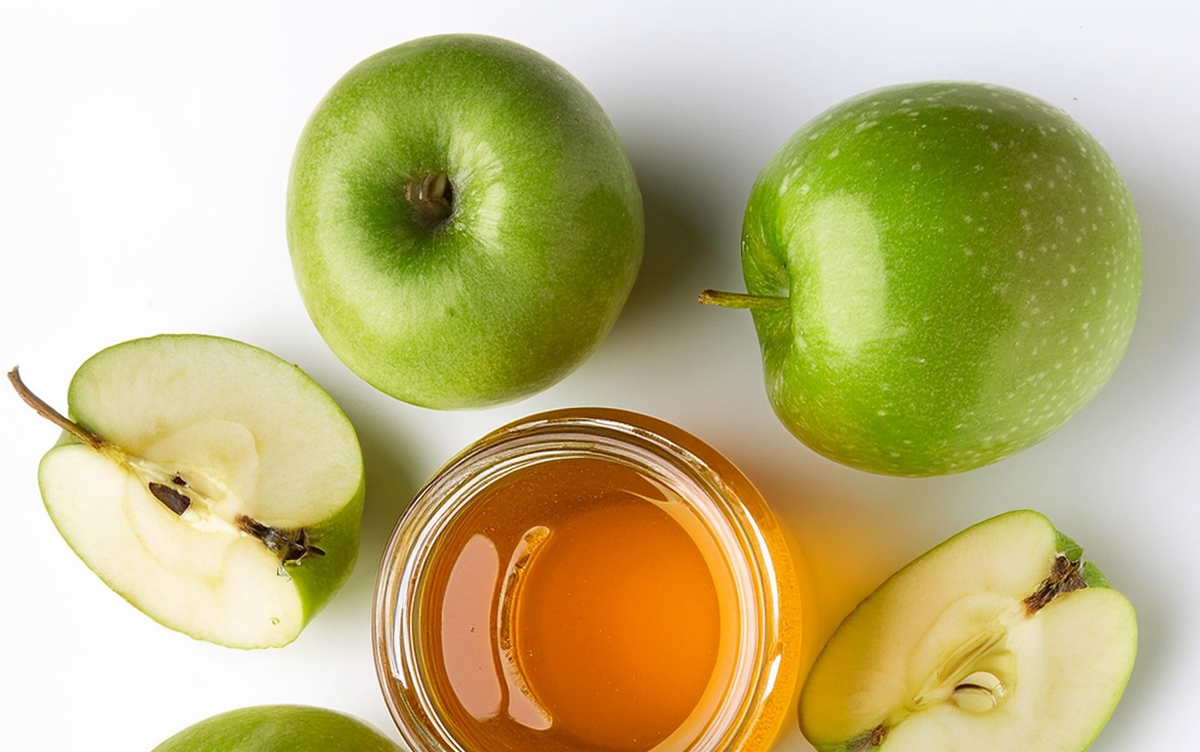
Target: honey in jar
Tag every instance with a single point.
(588, 581)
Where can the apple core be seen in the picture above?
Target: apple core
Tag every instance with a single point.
(195, 499)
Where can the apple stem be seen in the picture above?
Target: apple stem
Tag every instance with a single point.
(431, 197)
(50, 414)
(170, 498)
(743, 300)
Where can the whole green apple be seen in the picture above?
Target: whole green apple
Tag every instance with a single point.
(463, 221)
(940, 274)
(279, 728)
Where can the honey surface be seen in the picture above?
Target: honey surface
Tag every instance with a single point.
(577, 607)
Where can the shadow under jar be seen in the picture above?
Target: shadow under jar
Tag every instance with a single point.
(588, 580)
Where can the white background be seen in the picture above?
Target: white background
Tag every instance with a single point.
(144, 153)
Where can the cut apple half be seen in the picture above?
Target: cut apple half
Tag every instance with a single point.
(1001, 639)
(214, 486)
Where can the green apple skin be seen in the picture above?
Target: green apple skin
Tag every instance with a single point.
(961, 267)
(887, 678)
(279, 728)
(529, 273)
(225, 415)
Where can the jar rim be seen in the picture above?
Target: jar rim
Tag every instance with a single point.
(704, 478)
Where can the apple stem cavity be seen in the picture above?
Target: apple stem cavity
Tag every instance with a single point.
(432, 199)
(49, 413)
(743, 300)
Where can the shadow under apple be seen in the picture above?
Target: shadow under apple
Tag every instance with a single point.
(392, 481)
(1169, 314)
(679, 252)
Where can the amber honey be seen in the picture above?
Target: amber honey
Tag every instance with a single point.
(573, 610)
(588, 581)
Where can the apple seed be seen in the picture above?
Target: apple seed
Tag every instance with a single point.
(49, 413)
(980, 692)
(175, 501)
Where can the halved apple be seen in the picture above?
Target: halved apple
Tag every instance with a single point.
(1001, 639)
(214, 486)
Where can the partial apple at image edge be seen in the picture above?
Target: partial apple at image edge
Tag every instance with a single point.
(279, 728)
(1002, 637)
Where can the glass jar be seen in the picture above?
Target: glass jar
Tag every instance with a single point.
(750, 689)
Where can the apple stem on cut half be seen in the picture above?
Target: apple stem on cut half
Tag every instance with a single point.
(743, 300)
(291, 546)
(431, 197)
(50, 414)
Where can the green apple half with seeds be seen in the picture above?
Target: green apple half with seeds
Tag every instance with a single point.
(463, 221)
(214, 486)
(940, 274)
(279, 728)
(1001, 639)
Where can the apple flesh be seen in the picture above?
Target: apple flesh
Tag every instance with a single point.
(214, 486)
(1002, 639)
(463, 221)
(940, 274)
(279, 728)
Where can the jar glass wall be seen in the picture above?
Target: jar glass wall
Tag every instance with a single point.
(584, 581)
